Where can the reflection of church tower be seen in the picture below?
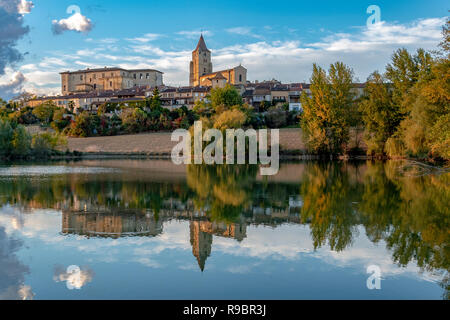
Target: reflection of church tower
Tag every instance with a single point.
(200, 64)
(201, 243)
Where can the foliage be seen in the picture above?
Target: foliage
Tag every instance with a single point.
(44, 112)
(226, 97)
(276, 118)
(21, 142)
(84, 125)
(6, 136)
(379, 113)
(155, 102)
(43, 144)
(327, 113)
(134, 120)
(230, 119)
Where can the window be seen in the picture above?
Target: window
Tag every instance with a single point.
(141, 76)
(240, 78)
(110, 84)
(148, 75)
(103, 75)
(81, 77)
(134, 75)
(64, 88)
(112, 74)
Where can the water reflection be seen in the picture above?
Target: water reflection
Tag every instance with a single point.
(336, 201)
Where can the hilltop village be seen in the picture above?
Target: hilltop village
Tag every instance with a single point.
(86, 90)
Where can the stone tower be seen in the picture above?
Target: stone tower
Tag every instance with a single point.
(201, 63)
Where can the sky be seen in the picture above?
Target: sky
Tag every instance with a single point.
(272, 39)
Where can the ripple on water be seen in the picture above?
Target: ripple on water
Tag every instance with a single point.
(13, 171)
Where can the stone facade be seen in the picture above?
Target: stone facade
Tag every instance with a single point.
(108, 79)
(201, 69)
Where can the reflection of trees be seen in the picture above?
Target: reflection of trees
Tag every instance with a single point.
(410, 214)
(328, 194)
(223, 191)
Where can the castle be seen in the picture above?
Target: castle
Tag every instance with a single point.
(201, 70)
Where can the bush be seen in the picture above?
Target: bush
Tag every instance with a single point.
(394, 147)
(276, 118)
(134, 120)
(45, 143)
(21, 142)
(6, 137)
(231, 119)
(85, 125)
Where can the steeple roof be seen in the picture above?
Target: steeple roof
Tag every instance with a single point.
(201, 44)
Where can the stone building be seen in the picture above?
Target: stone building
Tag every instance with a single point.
(201, 69)
(108, 79)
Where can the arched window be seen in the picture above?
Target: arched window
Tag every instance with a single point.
(240, 78)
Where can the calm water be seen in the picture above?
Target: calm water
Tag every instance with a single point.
(150, 230)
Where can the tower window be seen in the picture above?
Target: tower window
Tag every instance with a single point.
(240, 78)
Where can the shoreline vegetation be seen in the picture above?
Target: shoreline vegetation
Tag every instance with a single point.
(404, 113)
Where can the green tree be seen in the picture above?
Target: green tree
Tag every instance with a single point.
(134, 120)
(225, 98)
(155, 102)
(44, 112)
(380, 115)
(327, 112)
(6, 136)
(21, 142)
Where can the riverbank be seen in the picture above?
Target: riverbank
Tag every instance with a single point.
(160, 144)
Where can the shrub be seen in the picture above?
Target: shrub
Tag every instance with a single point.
(276, 118)
(21, 142)
(231, 119)
(134, 120)
(45, 143)
(6, 136)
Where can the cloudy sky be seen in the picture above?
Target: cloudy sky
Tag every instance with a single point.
(281, 40)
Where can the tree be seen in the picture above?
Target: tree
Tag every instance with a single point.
(44, 112)
(134, 120)
(445, 44)
(380, 115)
(155, 102)
(225, 98)
(230, 119)
(326, 117)
(6, 136)
(404, 72)
(21, 142)
(84, 125)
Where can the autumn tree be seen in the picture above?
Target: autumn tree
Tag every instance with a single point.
(381, 116)
(327, 112)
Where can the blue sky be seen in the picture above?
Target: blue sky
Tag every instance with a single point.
(273, 39)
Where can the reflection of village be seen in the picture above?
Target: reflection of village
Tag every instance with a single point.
(93, 221)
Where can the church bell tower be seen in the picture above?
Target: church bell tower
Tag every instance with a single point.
(201, 63)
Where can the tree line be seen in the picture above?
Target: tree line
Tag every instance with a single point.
(403, 112)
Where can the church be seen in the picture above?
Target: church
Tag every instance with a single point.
(201, 70)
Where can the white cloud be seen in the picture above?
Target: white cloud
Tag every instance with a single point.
(11, 83)
(193, 34)
(25, 6)
(244, 31)
(145, 38)
(77, 22)
(365, 50)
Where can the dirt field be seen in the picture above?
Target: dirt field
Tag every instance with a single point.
(159, 143)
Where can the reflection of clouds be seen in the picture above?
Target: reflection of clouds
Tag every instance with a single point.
(12, 271)
(286, 242)
(74, 276)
